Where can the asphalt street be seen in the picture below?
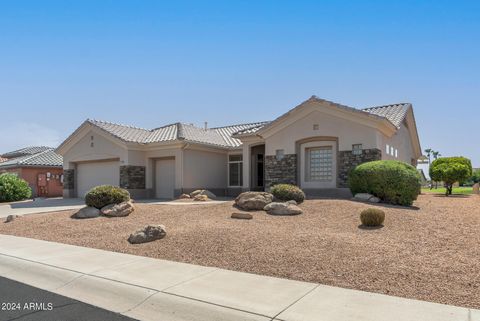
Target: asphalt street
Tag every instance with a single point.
(19, 301)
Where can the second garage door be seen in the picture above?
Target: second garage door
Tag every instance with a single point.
(97, 173)
(165, 178)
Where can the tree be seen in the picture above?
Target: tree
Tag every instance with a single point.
(450, 170)
(13, 188)
(429, 153)
(436, 154)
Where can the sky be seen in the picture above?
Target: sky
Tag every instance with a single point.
(150, 63)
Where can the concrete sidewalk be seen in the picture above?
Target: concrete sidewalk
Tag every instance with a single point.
(151, 289)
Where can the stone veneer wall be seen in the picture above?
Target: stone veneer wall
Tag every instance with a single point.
(280, 171)
(347, 161)
(132, 177)
(69, 179)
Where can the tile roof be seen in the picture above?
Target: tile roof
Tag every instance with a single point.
(25, 151)
(44, 158)
(395, 113)
(227, 131)
(220, 136)
(224, 136)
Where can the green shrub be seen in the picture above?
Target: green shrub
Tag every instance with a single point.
(450, 170)
(392, 181)
(288, 192)
(104, 195)
(372, 217)
(13, 188)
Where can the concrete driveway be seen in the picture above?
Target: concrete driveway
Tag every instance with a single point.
(41, 206)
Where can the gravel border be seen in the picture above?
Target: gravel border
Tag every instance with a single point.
(429, 252)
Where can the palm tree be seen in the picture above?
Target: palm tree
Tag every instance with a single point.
(429, 152)
(436, 154)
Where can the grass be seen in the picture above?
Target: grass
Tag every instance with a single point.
(463, 190)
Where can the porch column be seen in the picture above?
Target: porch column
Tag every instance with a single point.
(246, 167)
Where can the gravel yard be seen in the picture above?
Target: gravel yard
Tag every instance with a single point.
(429, 252)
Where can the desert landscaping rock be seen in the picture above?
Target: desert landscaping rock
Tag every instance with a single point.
(206, 192)
(252, 201)
(242, 216)
(365, 197)
(293, 202)
(11, 218)
(322, 245)
(148, 234)
(184, 196)
(87, 212)
(277, 208)
(118, 210)
(201, 198)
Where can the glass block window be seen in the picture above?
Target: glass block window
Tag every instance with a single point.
(320, 164)
(235, 170)
(357, 149)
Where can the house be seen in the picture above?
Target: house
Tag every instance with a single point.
(314, 145)
(40, 166)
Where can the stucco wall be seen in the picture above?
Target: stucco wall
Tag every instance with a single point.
(400, 141)
(102, 148)
(204, 169)
(348, 133)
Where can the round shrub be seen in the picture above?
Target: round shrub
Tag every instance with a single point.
(13, 188)
(288, 192)
(392, 181)
(372, 217)
(104, 195)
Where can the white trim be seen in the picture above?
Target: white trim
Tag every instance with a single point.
(228, 169)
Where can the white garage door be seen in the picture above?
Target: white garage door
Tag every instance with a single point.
(94, 174)
(165, 178)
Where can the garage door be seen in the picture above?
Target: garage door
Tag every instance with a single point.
(165, 178)
(99, 173)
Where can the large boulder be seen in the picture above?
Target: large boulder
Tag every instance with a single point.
(184, 196)
(118, 210)
(148, 233)
(252, 201)
(87, 212)
(201, 198)
(365, 197)
(11, 218)
(206, 192)
(277, 208)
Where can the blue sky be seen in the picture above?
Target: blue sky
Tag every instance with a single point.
(149, 63)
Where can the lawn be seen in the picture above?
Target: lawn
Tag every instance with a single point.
(441, 190)
(428, 252)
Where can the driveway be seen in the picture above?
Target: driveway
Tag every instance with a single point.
(41, 206)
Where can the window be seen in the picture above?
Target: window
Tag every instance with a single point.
(387, 149)
(319, 164)
(279, 154)
(235, 170)
(396, 153)
(391, 151)
(357, 149)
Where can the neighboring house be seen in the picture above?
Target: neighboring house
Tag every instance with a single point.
(423, 177)
(314, 146)
(40, 166)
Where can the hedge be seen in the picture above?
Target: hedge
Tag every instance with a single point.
(392, 181)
